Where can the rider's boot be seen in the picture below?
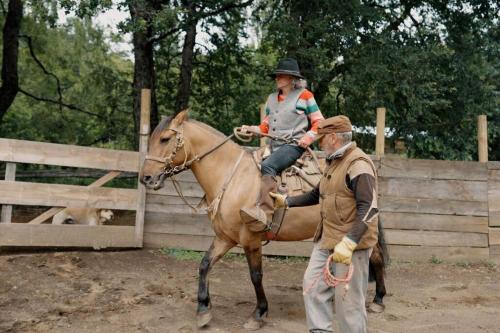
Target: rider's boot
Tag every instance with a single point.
(258, 218)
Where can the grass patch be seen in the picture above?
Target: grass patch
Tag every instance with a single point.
(489, 264)
(463, 264)
(182, 255)
(435, 260)
(235, 257)
(287, 259)
(190, 255)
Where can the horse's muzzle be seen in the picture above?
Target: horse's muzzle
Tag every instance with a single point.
(155, 182)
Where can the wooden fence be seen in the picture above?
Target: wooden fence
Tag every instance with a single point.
(58, 196)
(447, 209)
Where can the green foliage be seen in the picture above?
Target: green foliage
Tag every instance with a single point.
(229, 79)
(91, 77)
(432, 64)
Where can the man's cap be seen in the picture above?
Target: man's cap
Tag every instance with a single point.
(337, 124)
(288, 66)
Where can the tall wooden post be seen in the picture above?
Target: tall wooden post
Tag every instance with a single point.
(482, 138)
(380, 136)
(10, 175)
(143, 148)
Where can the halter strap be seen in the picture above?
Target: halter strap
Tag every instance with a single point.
(169, 169)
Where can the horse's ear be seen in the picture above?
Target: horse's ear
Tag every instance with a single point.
(181, 116)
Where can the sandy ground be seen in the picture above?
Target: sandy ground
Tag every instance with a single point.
(148, 291)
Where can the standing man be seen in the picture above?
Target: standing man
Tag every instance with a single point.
(347, 193)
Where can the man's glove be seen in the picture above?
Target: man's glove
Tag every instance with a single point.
(342, 253)
(279, 200)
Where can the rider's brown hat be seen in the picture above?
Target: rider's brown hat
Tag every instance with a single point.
(337, 124)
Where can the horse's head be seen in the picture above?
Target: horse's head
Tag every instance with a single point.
(167, 153)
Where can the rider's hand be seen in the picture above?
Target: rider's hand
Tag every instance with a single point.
(306, 141)
(279, 200)
(342, 253)
(250, 129)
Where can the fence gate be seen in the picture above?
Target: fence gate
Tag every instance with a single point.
(58, 196)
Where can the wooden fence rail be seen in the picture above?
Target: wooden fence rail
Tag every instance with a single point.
(444, 208)
(57, 195)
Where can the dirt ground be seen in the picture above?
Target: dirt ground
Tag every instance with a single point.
(148, 291)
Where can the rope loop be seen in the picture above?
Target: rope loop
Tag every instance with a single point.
(241, 135)
(330, 279)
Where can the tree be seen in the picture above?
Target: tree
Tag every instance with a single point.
(88, 74)
(10, 78)
(429, 62)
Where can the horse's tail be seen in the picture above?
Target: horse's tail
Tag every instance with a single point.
(381, 257)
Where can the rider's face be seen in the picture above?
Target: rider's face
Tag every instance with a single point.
(283, 80)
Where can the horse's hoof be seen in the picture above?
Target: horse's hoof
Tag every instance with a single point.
(202, 319)
(376, 308)
(253, 324)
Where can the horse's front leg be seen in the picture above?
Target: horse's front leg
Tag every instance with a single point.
(254, 258)
(217, 250)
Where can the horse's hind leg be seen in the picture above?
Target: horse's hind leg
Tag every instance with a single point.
(254, 258)
(377, 263)
(217, 250)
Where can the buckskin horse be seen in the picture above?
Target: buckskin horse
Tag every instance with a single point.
(230, 179)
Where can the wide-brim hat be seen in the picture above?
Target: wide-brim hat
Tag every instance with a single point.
(287, 66)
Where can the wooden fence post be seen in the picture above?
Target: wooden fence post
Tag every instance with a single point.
(143, 149)
(380, 136)
(482, 138)
(10, 175)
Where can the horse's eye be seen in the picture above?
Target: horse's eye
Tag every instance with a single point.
(164, 140)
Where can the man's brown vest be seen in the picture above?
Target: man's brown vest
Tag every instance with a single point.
(338, 205)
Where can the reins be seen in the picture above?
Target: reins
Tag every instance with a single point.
(170, 170)
(246, 136)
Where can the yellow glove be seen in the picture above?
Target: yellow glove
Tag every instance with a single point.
(279, 200)
(342, 253)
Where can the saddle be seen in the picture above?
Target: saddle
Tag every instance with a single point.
(299, 178)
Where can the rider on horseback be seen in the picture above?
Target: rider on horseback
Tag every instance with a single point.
(291, 113)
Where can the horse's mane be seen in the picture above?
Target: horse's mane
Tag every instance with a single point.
(162, 125)
(165, 122)
(208, 127)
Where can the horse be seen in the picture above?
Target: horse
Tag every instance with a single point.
(230, 178)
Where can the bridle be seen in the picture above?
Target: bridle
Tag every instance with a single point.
(169, 169)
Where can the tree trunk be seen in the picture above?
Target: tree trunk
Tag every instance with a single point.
(144, 71)
(10, 79)
(184, 88)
